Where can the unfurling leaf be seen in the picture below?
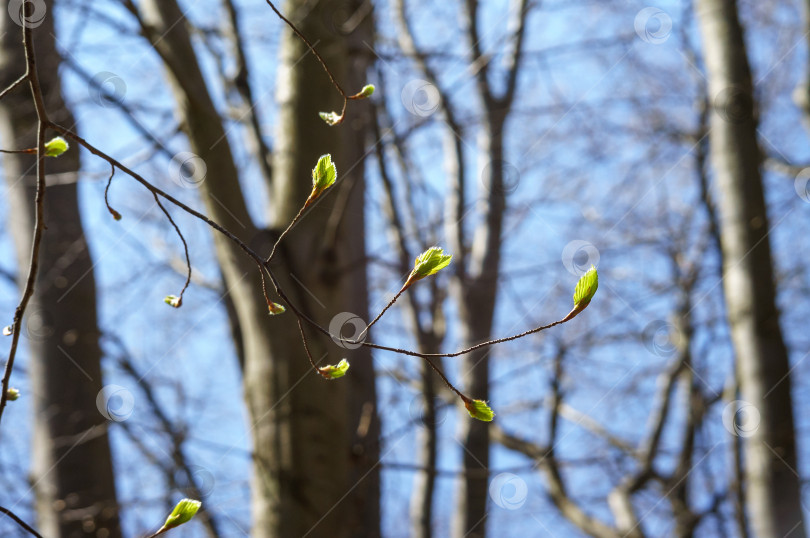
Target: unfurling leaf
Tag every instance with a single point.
(173, 300)
(275, 308)
(335, 371)
(331, 118)
(478, 409)
(323, 176)
(12, 394)
(56, 147)
(366, 92)
(586, 288)
(182, 513)
(428, 263)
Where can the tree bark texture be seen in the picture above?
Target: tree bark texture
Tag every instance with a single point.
(315, 442)
(772, 485)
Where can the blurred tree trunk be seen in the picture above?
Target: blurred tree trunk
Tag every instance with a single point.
(314, 442)
(772, 485)
(476, 294)
(72, 468)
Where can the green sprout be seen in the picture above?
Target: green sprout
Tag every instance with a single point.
(331, 118)
(275, 308)
(323, 176)
(586, 288)
(335, 371)
(56, 147)
(12, 394)
(182, 513)
(366, 92)
(428, 263)
(479, 410)
(173, 300)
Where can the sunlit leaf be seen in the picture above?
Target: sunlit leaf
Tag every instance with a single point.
(586, 288)
(56, 147)
(478, 409)
(335, 371)
(429, 263)
(331, 118)
(182, 513)
(275, 308)
(366, 92)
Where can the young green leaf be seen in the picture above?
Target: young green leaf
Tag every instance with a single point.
(173, 300)
(586, 288)
(366, 92)
(323, 176)
(182, 513)
(428, 263)
(56, 147)
(275, 308)
(335, 371)
(331, 118)
(478, 409)
(12, 394)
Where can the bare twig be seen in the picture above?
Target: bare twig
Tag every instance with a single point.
(39, 203)
(13, 85)
(185, 245)
(28, 528)
(311, 47)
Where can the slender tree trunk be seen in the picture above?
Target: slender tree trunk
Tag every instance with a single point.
(476, 296)
(424, 483)
(773, 487)
(72, 466)
(314, 442)
(356, 27)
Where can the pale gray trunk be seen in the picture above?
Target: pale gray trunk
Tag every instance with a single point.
(72, 466)
(476, 294)
(772, 485)
(314, 462)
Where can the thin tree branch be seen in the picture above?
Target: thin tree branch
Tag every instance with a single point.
(39, 203)
(28, 528)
